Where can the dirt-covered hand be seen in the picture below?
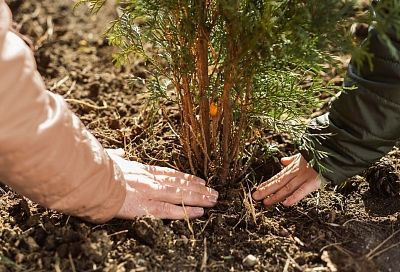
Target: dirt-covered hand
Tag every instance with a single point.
(161, 192)
(292, 184)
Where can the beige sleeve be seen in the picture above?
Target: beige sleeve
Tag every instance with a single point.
(46, 154)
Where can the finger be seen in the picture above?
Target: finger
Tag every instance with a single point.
(152, 189)
(304, 190)
(284, 192)
(285, 172)
(165, 171)
(165, 210)
(134, 205)
(274, 184)
(279, 180)
(179, 182)
(147, 183)
(175, 195)
(288, 160)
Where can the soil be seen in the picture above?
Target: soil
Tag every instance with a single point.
(356, 229)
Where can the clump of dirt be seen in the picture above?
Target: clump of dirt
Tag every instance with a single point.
(328, 231)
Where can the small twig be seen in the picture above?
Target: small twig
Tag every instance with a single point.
(334, 244)
(106, 137)
(248, 203)
(297, 239)
(207, 222)
(57, 263)
(343, 250)
(169, 122)
(48, 34)
(72, 262)
(286, 267)
(373, 252)
(240, 220)
(50, 24)
(118, 232)
(293, 261)
(205, 257)
(66, 222)
(188, 221)
(81, 102)
(348, 221)
(59, 83)
(71, 88)
(154, 159)
(383, 250)
(27, 230)
(98, 227)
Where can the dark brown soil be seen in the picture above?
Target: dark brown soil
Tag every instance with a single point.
(329, 231)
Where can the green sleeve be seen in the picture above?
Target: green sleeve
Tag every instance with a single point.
(363, 123)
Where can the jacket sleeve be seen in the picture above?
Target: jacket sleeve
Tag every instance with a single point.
(46, 154)
(363, 123)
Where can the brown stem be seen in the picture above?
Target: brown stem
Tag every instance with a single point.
(203, 82)
(227, 124)
(202, 72)
(185, 134)
(190, 121)
(242, 124)
(229, 82)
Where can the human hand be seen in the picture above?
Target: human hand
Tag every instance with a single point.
(290, 185)
(158, 191)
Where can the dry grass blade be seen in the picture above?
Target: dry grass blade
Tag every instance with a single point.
(383, 250)
(374, 252)
(293, 261)
(286, 267)
(188, 222)
(72, 263)
(59, 83)
(87, 104)
(205, 257)
(248, 203)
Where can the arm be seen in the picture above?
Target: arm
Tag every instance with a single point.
(47, 155)
(364, 124)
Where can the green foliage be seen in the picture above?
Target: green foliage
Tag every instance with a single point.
(252, 60)
(94, 6)
(385, 19)
(387, 22)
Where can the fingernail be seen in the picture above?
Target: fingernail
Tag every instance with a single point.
(285, 203)
(212, 198)
(256, 195)
(197, 211)
(214, 193)
(200, 180)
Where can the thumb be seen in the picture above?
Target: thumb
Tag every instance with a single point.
(288, 160)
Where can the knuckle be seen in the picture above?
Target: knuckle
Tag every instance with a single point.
(299, 194)
(160, 209)
(300, 190)
(164, 209)
(273, 199)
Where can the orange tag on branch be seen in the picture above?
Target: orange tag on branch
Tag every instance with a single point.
(213, 109)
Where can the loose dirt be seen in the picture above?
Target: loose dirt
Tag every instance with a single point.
(353, 230)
